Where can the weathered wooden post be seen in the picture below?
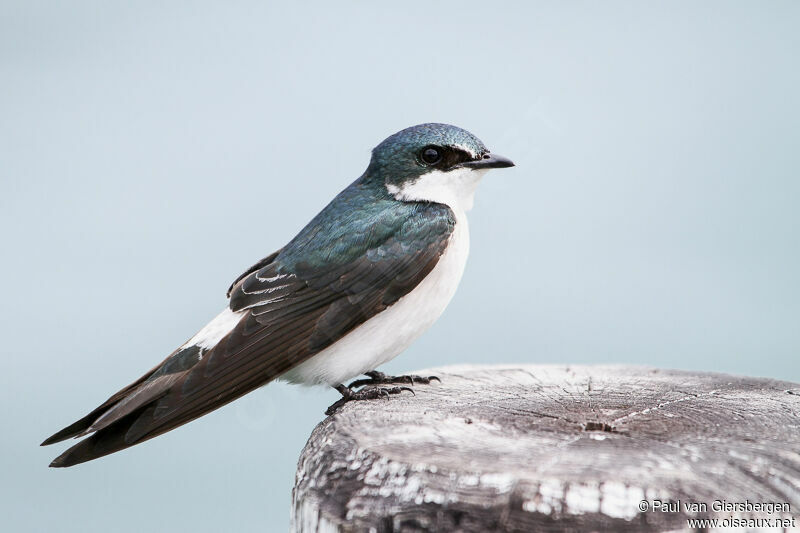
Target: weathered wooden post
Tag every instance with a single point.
(555, 448)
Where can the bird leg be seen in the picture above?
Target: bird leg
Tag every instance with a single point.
(379, 378)
(368, 393)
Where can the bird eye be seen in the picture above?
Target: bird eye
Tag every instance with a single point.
(430, 155)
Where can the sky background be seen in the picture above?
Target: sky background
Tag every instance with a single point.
(149, 153)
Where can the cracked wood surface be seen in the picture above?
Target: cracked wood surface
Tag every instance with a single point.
(551, 448)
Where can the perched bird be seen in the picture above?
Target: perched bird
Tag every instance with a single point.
(364, 279)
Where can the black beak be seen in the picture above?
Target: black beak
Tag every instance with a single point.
(489, 160)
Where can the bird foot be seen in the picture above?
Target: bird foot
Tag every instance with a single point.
(379, 378)
(368, 393)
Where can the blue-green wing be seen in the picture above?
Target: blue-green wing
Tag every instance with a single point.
(345, 267)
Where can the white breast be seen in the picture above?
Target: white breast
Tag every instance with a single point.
(390, 332)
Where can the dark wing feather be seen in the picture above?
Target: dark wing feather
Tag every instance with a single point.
(81, 425)
(264, 262)
(288, 317)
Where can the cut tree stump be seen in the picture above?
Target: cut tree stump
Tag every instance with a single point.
(554, 448)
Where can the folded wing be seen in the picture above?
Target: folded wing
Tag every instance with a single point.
(283, 313)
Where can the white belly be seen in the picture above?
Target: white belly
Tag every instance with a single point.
(388, 333)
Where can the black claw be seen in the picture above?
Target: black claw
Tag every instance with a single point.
(367, 393)
(359, 382)
(332, 408)
(379, 378)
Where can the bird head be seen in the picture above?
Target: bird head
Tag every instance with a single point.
(433, 163)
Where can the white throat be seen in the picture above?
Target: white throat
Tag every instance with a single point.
(455, 189)
(391, 331)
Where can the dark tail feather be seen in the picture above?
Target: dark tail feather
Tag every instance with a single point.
(75, 429)
(108, 440)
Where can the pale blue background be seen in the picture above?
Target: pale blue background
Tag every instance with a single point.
(149, 153)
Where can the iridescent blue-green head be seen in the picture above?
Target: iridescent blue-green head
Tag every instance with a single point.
(432, 162)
